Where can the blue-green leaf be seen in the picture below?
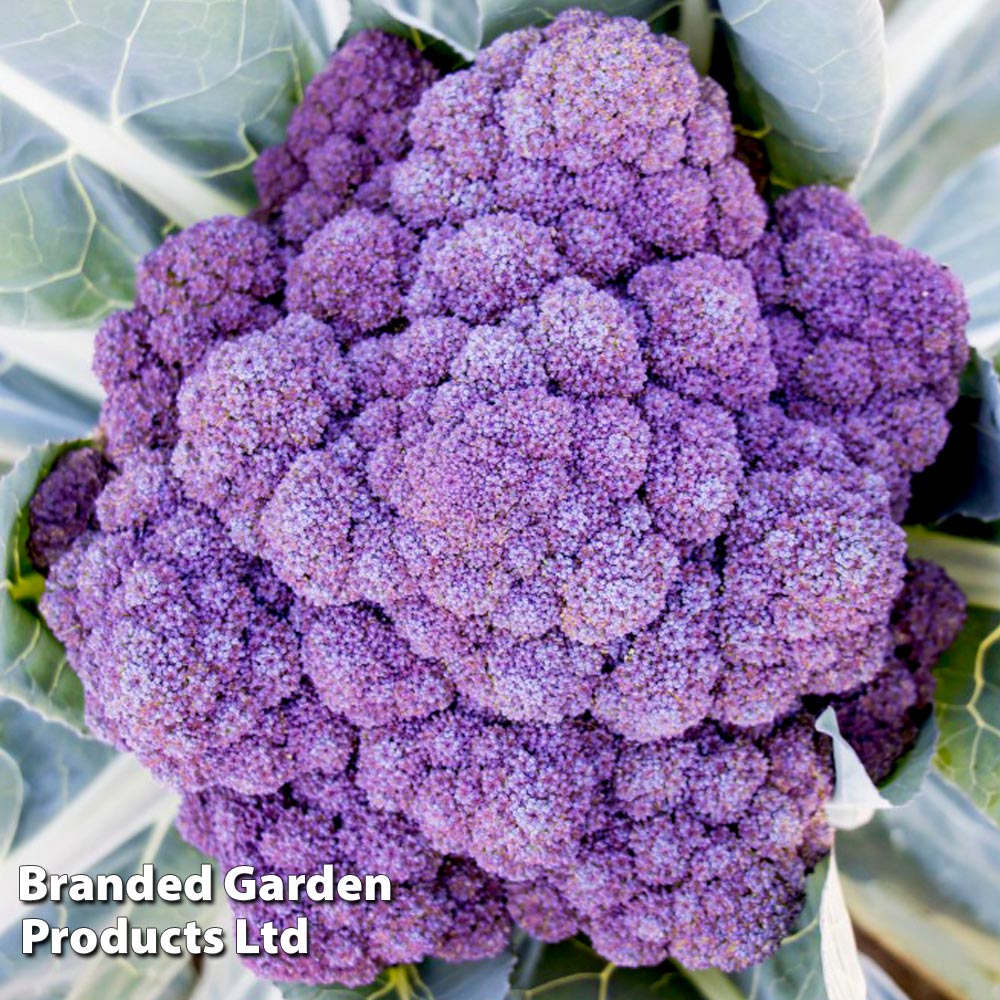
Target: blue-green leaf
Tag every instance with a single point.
(61, 355)
(910, 773)
(128, 977)
(457, 24)
(295, 991)
(974, 564)
(431, 980)
(82, 802)
(924, 881)
(842, 975)
(965, 478)
(943, 105)
(468, 25)
(393, 984)
(486, 980)
(326, 20)
(227, 977)
(960, 227)
(55, 765)
(122, 118)
(982, 499)
(572, 970)
(11, 801)
(818, 960)
(811, 77)
(880, 984)
(855, 797)
(34, 409)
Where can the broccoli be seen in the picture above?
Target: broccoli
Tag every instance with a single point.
(499, 506)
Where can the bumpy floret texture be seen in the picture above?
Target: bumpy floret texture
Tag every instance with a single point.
(868, 334)
(882, 719)
(62, 509)
(497, 508)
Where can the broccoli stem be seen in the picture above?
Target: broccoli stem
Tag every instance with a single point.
(26, 588)
(697, 32)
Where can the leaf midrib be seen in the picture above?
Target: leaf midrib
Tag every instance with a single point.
(166, 186)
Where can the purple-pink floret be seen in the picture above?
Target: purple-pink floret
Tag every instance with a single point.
(498, 507)
(350, 128)
(883, 718)
(62, 508)
(868, 335)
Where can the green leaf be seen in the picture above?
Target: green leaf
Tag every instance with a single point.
(33, 666)
(960, 227)
(469, 25)
(572, 970)
(974, 564)
(968, 710)
(121, 119)
(924, 882)
(943, 105)
(811, 77)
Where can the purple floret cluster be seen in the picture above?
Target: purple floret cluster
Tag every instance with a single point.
(497, 508)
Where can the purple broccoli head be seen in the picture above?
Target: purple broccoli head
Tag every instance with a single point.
(499, 506)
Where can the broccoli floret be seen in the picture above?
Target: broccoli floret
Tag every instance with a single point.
(500, 505)
(207, 282)
(350, 128)
(63, 507)
(882, 718)
(440, 904)
(352, 271)
(246, 414)
(869, 335)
